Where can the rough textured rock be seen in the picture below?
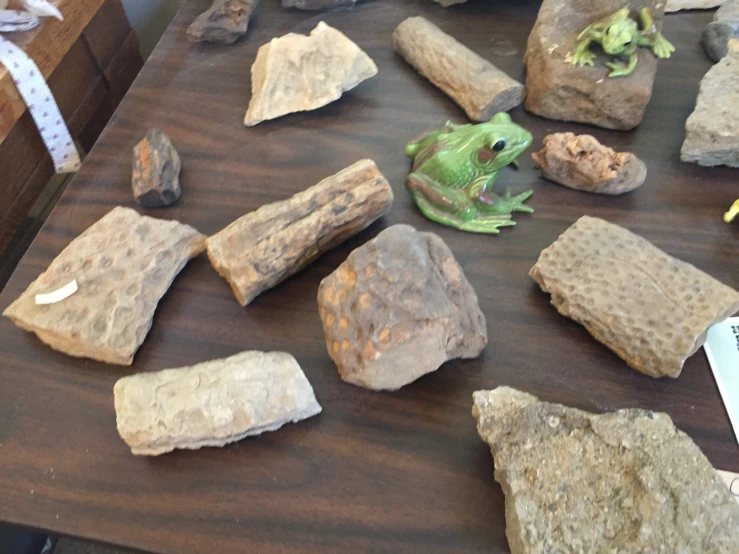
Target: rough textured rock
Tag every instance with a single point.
(712, 130)
(264, 247)
(581, 162)
(318, 4)
(297, 73)
(156, 171)
(677, 5)
(447, 3)
(480, 88)
(557, 90)
(728, 11)
(649, 308)
(627, 482)
(213, 403)
(398, 308)
(716, 36)
(224, 22)
(123, 265)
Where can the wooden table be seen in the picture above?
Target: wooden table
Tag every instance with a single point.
(375, 472)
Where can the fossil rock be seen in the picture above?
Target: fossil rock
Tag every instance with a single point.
(264, 247)
(297, 73)
(626, 482)
(557, 90)
(224, 22)
(716, 36)
(318, 4)
(213, 403)
(712, 130)
(728, 11)
(649, 308)
(583, 163)
(398, 308)
(480, 88)
(123, 265)
(677, 5)
(156, 171)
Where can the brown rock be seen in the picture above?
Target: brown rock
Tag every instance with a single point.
(213, 403)
(123, 265)
(309, 71)
(224, 22)
(583, 163)
(156, 171)
(557, 90)
(398, 308)
(626, 482)
(318, 4)
(262, 248)
(649, 308)
(480, 88)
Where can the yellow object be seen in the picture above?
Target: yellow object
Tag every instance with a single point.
(732, 213)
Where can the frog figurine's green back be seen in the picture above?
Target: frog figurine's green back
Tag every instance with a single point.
(454, 170)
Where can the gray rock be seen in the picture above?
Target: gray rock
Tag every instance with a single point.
(716, 36)
(225, 22)
(712, 130)
(627, 482)
(156, 171)
(318, 4)
(730, 10)
(677, 5)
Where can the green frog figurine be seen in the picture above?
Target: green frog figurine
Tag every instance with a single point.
(619, 35)
(454, 170)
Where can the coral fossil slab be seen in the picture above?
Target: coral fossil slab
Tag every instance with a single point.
(123, 265)
(648, 307)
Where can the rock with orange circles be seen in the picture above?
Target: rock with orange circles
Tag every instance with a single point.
(398, 308)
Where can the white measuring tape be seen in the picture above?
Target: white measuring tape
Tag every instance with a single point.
(35, 92)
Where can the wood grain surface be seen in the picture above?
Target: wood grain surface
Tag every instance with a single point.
(375, 472)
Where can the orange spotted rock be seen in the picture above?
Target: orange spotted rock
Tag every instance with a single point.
(398, 308)
(156, 171)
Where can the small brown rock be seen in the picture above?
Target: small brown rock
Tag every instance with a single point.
(156, 171)
(318, 4)
(583, 163)
(224, 22)
(398, 308)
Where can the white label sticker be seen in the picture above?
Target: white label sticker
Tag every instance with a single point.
(722, 351)
(58, 295)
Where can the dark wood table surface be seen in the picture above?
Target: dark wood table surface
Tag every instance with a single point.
(375, 472)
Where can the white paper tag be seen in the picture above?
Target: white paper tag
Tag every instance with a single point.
(58, 295)
(722, 351)
(732, 481)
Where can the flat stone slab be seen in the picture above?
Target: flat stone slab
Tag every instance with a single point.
(627, 482)
(651, 309)
(212, 403)
(225, 22)
(123, 265)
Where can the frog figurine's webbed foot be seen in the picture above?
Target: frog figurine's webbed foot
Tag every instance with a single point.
(652, 38)
(732, 213)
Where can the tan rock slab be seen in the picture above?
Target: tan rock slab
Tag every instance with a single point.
(480, 88)
(213, 403)
(649, 308)
(398, 308)
(298, 73)
(123, 265)
(627, 482)
(264, 247)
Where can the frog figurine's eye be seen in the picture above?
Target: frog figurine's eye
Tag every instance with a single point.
(499, 146)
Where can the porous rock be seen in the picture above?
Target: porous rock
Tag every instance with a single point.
(212, 403)
(712, 130)
(651, 309)
(318, 4)
(581, 162)
(480, 88)
(626, 482)
(398, 308)
(296, 73)
(123, 265)
(266, 246)
(557, 90)
(225, 22)
(716, 36)
(156, 171)
(677, 5)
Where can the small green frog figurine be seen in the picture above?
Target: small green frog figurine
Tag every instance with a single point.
(619, 35)
(454, 170)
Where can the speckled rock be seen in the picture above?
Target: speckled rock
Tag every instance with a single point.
(649, 308)
(627, 482)
(123, 265)
(712, 130)
(156, 171)
(716, 36)
(677, 5)
(213, 403)
(398, 308)
(225, 22)
(318, 4)
(581, 162)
